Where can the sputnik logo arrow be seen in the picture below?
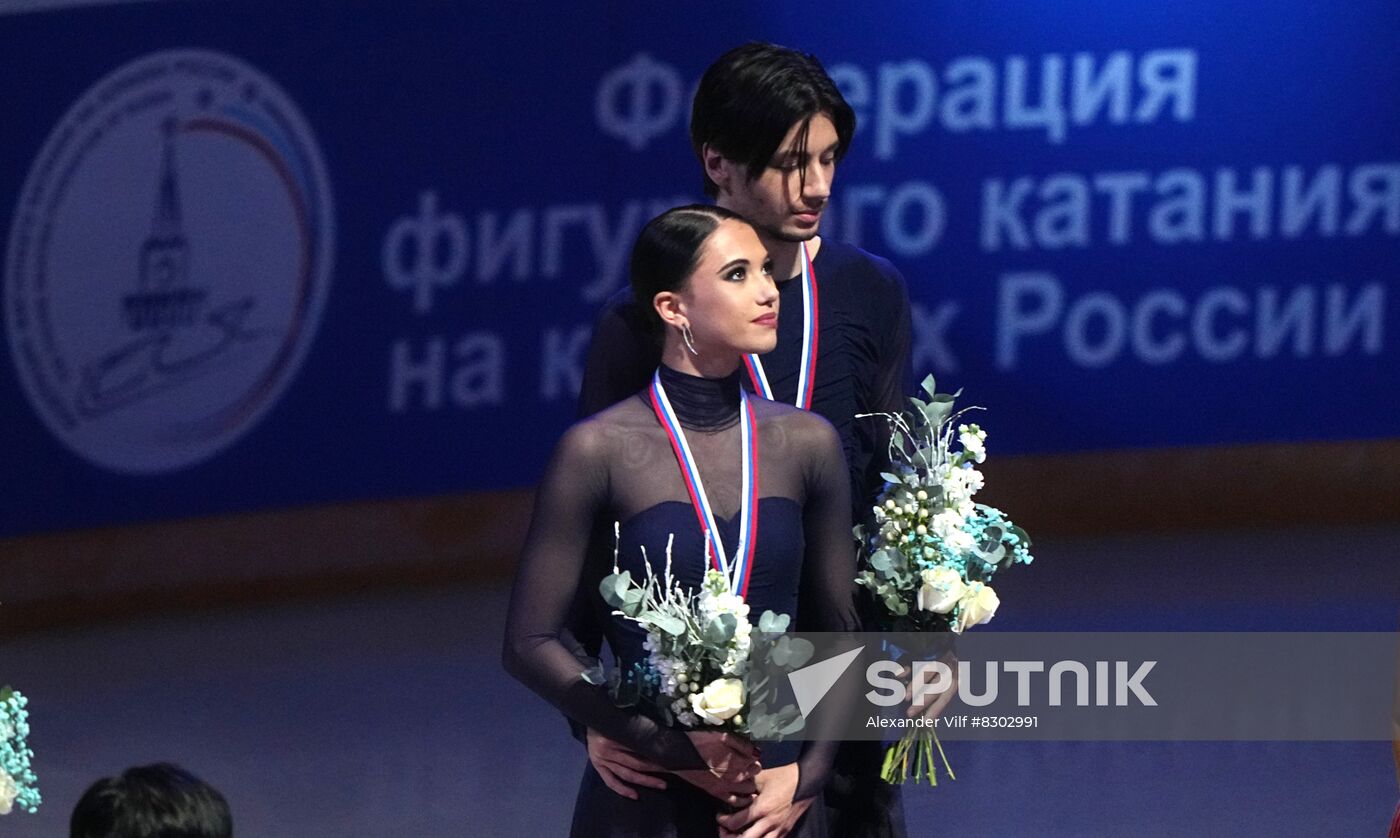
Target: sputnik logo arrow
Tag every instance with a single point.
(810, 684)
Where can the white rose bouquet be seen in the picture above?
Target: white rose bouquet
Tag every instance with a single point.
(699, 647)
(931, 550)
(18, 785)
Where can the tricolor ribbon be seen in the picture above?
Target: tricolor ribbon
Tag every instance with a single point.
(807, 368)
(738, 569)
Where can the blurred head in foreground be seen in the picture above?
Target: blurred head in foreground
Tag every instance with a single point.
(151, 801)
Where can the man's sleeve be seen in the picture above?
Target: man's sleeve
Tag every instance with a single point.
(892, 383)
(621, 357)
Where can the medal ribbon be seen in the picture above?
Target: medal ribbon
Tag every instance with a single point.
(738, 570)
(807, 367)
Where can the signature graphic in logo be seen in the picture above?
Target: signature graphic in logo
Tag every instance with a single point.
(151, 334)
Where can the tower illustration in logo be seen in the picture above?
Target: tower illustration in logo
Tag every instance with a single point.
(150, 341)
(165, 298)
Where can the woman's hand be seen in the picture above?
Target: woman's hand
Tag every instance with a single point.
(773, 813)
(728, 756)
(734, 794)
(618, 766)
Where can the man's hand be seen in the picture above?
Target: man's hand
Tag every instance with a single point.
(620, 767)
(931, 705)
(773, 813)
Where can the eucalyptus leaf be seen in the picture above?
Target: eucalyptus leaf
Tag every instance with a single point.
(928, 385)
(792, 727)
(632, 602)
(802, 651)
(672, 625)
(993, 556)
(718, 630)
(613, 586)
(773, 623)
(940, 409)
(791, 652)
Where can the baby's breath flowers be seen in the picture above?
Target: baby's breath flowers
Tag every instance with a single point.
(18, 785)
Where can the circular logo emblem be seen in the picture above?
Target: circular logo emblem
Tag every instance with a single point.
(168, 262)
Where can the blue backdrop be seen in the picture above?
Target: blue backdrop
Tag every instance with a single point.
(267, 254)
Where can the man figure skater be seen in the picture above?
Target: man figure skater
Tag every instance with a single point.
(768, 127)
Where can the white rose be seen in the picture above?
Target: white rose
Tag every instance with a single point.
(8, 792)
(978, 605)
(719, 701)
(942, 589)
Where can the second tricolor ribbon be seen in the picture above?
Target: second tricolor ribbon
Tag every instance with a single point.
(735, 569)
(807, 364)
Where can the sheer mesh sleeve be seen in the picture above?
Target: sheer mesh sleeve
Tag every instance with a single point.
(893, 382)
(620, 361)
(574, 489)
(828, 570)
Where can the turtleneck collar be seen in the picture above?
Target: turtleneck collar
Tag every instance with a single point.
(702, 404)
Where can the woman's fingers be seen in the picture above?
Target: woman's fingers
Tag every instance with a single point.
(764, 827)
(735, 822)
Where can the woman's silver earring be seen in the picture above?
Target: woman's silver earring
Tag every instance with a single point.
(689, 339)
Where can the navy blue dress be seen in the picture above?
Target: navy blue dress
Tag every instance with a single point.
(863, 366)
(619, 466)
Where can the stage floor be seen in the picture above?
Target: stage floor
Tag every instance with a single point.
(388, 714)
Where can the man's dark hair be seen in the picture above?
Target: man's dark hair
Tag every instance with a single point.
(666, 252)
(752, 96)
(151, 801)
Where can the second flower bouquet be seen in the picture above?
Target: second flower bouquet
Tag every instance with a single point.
(931, 551)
